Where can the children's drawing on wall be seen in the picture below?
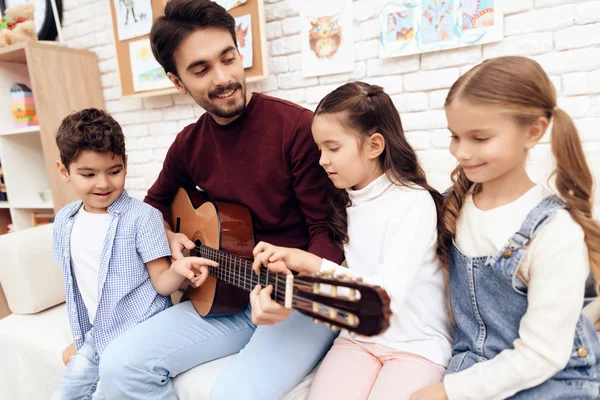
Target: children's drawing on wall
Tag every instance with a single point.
(243, 33)
(229, 4)
(326, 37)
(398, 28)
(147, 72)
(437, 21)
(134, 18)
(420, 26)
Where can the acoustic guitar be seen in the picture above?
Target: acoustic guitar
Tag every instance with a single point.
(223, 232)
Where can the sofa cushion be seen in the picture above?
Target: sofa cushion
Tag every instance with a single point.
(31, 348)
(31, 280)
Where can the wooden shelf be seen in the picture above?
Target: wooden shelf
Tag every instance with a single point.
(17, 53)
(33, 206)
(20, 131)
(14, 53)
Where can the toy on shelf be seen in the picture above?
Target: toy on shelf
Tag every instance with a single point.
(3, 196)
(42, 218)
(18, 25)
(23, 107)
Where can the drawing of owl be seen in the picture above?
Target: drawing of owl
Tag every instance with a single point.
(325, 36)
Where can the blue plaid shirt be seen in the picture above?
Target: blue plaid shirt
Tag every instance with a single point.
(126, 295)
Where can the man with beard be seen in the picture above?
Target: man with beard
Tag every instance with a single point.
(251, 149)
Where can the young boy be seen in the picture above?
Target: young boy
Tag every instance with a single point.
(112, 248)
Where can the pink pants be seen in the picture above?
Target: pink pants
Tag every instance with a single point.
(354, 370)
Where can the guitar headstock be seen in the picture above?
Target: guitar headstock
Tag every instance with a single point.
(343, 302)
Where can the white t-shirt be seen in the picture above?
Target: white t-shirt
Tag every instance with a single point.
(555, 269)
(87, 240)
(393, 233)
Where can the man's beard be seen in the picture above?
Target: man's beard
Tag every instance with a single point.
(220, 112)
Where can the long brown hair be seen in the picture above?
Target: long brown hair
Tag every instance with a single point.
(519, 87)
(368, 109)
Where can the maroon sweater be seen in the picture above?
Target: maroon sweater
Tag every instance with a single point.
(266, 160)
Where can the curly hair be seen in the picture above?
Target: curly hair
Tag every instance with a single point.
(89, 129)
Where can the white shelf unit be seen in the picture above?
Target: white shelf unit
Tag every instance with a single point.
(28, 155)
(20, 131)
(21, 156)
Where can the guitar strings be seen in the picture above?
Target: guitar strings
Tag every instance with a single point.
(279, 285)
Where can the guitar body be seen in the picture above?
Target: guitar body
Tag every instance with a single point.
(221, 226)
(223, 232)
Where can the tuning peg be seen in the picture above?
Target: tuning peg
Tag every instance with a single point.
(334, 291)
(334, 328)
(351, 319)
(327, 274)
(352, 294)
(343, 276)
(316, 321)
(327, 324)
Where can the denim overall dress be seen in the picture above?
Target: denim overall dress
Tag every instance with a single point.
(489, 300)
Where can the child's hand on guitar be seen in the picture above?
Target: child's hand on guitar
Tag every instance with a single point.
(193, 268)
(265, 311)
(282, 259)
(178, 242)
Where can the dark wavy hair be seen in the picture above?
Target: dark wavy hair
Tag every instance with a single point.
(181, 18)
(89, 129)
(368, 109)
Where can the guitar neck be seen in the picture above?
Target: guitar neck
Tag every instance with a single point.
(238, 272)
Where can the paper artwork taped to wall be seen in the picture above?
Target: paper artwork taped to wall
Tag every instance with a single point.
(420, 26)
(134, 18)
(229, 4)
(147, 72)
(326, 37)
(243, 33)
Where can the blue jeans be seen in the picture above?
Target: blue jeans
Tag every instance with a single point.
(273, 359)
(80, 380)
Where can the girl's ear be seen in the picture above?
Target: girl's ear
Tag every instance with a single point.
(536, 132)
(375, 145)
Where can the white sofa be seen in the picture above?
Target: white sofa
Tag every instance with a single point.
(33, 337)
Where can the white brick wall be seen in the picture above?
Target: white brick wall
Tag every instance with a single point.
(563, 35)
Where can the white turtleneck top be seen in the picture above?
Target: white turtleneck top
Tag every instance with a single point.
(392, 234)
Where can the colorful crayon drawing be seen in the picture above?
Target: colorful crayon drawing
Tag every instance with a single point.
(146, 72)
(325, 36)
(421, 26)
(477, 14)
(437, 20)
(243, 33)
